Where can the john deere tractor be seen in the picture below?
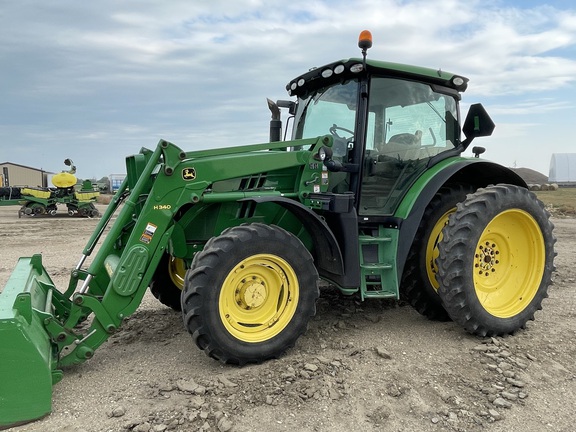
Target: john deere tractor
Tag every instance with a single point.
(371, 194)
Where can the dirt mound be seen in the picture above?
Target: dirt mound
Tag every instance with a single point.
(531, 176)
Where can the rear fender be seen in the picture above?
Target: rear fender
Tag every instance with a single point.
(476, 172)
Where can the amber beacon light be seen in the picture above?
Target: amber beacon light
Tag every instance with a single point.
(365, 40)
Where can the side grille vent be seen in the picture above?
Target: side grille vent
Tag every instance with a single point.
(253, 183)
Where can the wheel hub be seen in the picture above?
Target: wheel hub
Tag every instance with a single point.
(252, 295)
(487, 258)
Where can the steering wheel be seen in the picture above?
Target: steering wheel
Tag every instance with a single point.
(340, 146)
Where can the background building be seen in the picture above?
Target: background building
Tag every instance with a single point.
(563, 169)
(16, 175)
(116, 181)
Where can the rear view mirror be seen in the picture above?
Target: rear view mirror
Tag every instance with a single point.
(478, 123)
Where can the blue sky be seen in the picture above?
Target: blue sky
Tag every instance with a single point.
(96, 81)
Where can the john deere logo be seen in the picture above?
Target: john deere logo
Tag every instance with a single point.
(188, 173)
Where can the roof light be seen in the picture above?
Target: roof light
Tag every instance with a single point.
(293, 86)
(355, 68)
(365, 40)
(460, 83)
(339, 69)
(457, 81)
(327, 73)
(301, 82)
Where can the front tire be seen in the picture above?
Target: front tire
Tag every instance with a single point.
(250, 294)
(496, 260)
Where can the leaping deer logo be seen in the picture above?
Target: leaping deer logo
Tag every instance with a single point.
(188, 173)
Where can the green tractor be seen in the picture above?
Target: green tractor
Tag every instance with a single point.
(371, 195)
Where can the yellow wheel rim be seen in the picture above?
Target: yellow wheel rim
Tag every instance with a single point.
(509, 263)
(259, 298)
(177, 271)
(432, 251)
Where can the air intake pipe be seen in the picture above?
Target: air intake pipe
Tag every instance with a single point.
(275, 122)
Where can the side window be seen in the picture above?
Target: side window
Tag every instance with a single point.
(422, 125)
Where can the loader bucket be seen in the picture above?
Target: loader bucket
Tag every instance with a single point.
(26, 353)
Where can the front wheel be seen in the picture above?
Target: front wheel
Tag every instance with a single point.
(250, 294)
(496, 260)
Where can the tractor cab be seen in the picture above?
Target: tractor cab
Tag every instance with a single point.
(389, 124)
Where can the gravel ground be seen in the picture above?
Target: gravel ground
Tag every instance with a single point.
(362, 366)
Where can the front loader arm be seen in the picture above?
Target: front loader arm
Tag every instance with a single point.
(119, 274)
(117, 278)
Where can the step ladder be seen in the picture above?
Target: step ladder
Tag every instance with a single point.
(379, 278)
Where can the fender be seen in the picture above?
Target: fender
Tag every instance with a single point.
(477, 172)
(327, 253)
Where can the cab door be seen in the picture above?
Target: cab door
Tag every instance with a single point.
(408, 123)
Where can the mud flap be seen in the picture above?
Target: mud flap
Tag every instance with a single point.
(27, 356)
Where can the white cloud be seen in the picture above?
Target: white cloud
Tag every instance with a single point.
(531, 107)
(119, 75)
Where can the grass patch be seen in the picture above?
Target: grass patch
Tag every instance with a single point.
(560, 202)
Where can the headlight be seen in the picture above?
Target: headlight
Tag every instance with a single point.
(356, 68)
(339, 69)
(327, 73)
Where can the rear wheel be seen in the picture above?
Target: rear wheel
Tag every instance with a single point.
(168, 280)
(419, 283)
(496, 260)
(250, 294)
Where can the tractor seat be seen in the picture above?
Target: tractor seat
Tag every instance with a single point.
(402, 146)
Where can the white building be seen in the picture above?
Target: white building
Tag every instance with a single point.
(563, 168)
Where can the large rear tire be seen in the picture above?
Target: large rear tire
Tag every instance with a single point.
(168, 281)
(250, 294)
(496, 260)
(419, 284)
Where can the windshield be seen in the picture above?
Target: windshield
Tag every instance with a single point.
(401, 113)
(331, 110)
